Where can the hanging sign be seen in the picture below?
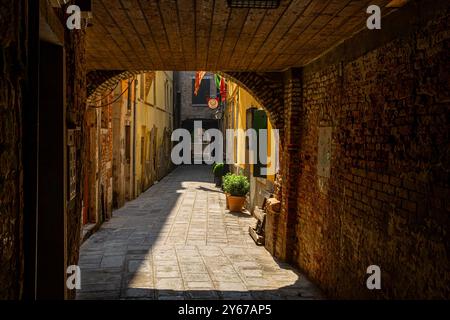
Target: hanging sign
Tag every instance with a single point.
(213, 103)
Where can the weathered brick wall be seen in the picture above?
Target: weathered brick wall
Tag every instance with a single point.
(106, 158)
(13, 18)
(386, 201)
(98, 166)
(12, 77)
(76, 107)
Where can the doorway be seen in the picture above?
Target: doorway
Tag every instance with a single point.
(52, 174)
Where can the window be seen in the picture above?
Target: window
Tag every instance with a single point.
(154, 89)
(201, 99)
(128, 143)
(166, 94)
(142, 150)
(259, 122)
(129, 96)
(142, 87)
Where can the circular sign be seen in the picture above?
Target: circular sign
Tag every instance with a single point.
(213, 103)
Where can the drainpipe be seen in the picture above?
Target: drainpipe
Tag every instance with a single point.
(134, 136)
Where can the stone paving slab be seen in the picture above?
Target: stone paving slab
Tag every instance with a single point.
(177, 241)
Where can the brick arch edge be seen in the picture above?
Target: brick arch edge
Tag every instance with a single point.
(266, 88)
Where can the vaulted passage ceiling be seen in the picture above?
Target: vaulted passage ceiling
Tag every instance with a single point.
(207, 35)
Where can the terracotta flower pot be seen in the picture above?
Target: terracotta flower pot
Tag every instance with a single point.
(236, 203)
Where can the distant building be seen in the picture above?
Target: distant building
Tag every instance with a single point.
(154, 124)
(128, 140)
(191, 107)
(98, 182)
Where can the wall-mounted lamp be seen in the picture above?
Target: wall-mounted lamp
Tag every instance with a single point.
(254, 4)
(218, 115)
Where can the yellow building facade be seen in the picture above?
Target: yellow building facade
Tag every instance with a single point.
(244, 112)
(142, 123)
(154, 124)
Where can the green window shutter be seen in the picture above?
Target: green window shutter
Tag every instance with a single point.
(259, 122)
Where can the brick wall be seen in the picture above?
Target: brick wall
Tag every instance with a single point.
(76, 107)
(98, 153)
(76, 104)
(386, 200)
(106, 158)
(12, 82)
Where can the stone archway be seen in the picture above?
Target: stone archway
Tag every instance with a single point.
(101, 81)
(280, 94)
(266, 88)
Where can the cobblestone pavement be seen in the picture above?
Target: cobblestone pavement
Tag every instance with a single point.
(177, 241)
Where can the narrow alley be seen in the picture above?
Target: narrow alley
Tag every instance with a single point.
(177, 241)
(319, 131)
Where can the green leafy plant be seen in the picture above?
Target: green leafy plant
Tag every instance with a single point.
(236, 185)
(218, 170)
(225, 180)
(213, 166)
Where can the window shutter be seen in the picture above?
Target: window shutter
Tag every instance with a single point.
(259, 122)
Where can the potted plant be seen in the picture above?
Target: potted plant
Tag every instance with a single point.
(212, 171)
(237, 186)
(218, 170)
(224, 187)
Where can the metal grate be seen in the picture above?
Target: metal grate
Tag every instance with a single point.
(254, 4)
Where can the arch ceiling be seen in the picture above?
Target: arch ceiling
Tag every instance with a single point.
(207, 35)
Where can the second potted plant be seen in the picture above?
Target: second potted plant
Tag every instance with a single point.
(236, 187)
(218, 170)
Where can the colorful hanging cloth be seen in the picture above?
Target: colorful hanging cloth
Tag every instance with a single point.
(217, 79)
(198, 80)
(223, 89)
